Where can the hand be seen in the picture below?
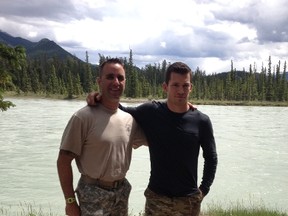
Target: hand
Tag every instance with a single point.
(93, 98)
(191, 106)
(201, 193)
(72, 209)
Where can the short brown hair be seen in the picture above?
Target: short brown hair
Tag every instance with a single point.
(179, 68)
(110, 61)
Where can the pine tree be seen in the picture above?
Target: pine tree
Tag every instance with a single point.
(87, 76)
(269, 89)
(284, 85)
(132, 87)
(11, 60)
(70, 86)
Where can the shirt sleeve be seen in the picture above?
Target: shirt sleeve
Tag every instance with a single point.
(139, 138)
(72, 137)
(209, 154)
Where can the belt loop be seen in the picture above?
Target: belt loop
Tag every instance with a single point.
(103, 184)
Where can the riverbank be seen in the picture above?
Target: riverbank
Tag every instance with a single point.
(237, 210)
(143, 100)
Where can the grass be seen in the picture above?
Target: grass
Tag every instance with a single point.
(242, 211)
(25, 209)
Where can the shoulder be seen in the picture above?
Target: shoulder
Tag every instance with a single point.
(89, 112)
(202, 116)
(153, 105)
(123, 114)
(86, 110)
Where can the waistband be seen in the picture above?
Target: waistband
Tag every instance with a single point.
(102, 184)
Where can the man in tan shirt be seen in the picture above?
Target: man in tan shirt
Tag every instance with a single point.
(100, 140)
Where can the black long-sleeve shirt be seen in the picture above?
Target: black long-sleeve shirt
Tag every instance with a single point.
(174, 143)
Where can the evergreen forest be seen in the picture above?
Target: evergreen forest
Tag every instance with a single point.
(72, 77)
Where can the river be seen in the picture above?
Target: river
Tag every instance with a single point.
(252, 144)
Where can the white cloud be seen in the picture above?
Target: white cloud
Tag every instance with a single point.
(204, 33)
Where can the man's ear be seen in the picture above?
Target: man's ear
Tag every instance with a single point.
(98, 80)
(164, 86)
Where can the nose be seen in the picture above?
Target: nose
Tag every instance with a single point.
(181, 90)
(116, 80)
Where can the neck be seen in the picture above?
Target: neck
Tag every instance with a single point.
(178, 108)
(112, 105)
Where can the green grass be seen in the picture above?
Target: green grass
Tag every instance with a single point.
(240, 209)
(214, 210)
(25, 209)
(243, 212)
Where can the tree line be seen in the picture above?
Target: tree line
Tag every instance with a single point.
(72, 77)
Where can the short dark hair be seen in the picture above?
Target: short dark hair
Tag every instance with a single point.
(110, 61)
(179, 68)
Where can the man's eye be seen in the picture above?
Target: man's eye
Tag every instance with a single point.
(120, 78)
(112, 77)
(186, 86)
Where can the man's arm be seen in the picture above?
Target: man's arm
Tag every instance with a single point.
(65, 174)
(210, 156)
(94, 98)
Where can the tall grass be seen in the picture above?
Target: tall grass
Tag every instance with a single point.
(239, 209)
(25, 209)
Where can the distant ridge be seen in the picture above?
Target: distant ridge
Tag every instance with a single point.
(50, 49)
(44, 47)
(14, 41)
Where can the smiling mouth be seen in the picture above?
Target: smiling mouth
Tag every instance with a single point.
(116, 91)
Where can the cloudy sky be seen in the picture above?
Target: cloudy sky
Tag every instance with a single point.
(203, 33)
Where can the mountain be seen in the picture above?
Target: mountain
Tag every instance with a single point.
(14, 41)
(51, 49)
(44, 47)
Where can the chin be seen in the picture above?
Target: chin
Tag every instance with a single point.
(115, 99)
(183, 100)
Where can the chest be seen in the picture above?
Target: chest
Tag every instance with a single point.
(110, 130)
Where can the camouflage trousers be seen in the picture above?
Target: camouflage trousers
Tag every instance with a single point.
(159, 205)
(95, 201)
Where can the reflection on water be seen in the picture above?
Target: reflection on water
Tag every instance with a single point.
(251, 143)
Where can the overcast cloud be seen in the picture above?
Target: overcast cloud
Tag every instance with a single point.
(202, 33)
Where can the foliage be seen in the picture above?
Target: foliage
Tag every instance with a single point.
(12, 61)
(73, 78)
(4, 105)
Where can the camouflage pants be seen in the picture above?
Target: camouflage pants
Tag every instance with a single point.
(95, 201)
(158, 205)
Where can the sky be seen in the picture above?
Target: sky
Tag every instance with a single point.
(207, 34)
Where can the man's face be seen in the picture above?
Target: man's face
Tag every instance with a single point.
(178, 88)
(112, 82)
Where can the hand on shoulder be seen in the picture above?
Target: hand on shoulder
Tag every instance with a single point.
(93, 98)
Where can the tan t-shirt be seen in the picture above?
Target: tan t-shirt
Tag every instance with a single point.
(103, 141)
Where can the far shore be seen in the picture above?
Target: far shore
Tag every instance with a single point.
(143, 100)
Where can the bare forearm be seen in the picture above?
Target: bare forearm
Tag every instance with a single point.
(65, 174)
